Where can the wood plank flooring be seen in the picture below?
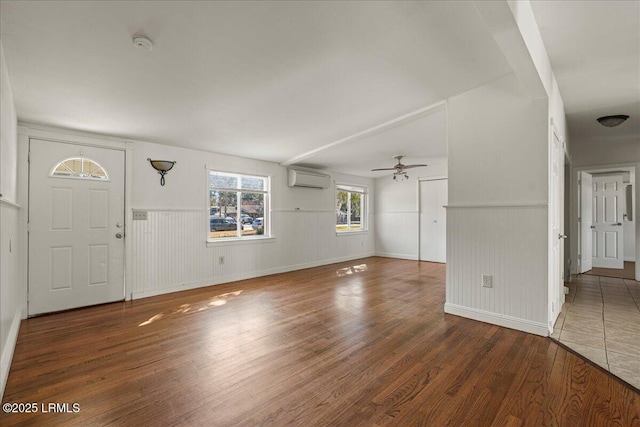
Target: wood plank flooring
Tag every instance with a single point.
(628, 272)
(363, 343)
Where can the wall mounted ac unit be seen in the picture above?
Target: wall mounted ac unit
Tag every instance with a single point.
(308, 178)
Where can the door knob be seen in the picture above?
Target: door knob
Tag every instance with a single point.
(118, 235)
(562, 236)
(593, 226)
(617, 223)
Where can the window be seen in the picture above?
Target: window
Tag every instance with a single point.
(78, 167)
(351, 208)
(238, 205)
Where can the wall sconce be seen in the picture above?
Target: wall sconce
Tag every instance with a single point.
(162, 166)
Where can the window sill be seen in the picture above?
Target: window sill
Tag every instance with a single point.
(351, 233)
(240, 241)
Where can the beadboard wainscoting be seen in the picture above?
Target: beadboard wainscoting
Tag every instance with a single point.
(508, 243)
(11, 296)
(397, 234)
(170, 252)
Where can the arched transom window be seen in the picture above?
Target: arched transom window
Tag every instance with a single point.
(79, 167)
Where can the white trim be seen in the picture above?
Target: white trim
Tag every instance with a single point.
(499, 205)
(239, 241)
(433, 178)
(398, 256)
(9, 204)
(237, 277)
(298, 210)
(395, 212)
(7, 353)
(524, 325)
(171, 210)
(72, 137)
(351, 233)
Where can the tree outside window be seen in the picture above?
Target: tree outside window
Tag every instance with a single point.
(238, 205)
(350, 208)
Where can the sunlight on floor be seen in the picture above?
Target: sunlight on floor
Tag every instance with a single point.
(350, 270)
(216, 301)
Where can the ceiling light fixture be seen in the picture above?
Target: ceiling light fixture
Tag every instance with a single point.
(142, 42)
(612, 121)
(400, 176)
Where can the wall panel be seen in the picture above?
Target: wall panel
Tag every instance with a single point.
(508, 243)
(170, 252)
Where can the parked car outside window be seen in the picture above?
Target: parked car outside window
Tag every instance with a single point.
(221, 224)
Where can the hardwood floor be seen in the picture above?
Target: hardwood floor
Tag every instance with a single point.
(628, 272)
(362, 343)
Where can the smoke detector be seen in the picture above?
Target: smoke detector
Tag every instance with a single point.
(142, 42)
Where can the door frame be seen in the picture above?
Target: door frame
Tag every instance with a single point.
(26, 132)
(634, 169)
(582, 191)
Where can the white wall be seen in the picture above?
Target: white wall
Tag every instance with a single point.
(497, 216)
(396, 213)
(11, 287)
(170, 250)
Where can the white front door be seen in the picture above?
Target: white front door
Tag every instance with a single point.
(433, 220)
(608, 249)
(586, 222)
(76, 226)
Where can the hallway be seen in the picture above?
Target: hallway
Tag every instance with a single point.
(601, 321)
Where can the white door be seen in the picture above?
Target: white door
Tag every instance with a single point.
(76, 226)
(556, 206)
(433, 220)
(586, 222)
(608, 249)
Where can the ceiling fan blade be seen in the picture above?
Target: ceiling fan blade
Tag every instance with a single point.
(383, 169)
(413, 166)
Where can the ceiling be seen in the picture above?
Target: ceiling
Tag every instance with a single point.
(594, 49)
(336, 85)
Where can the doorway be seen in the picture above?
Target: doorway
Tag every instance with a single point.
(433, 220)
(76, 226)
(606, 220)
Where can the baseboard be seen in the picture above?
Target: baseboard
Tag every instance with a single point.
(399, 256)
(237, 277)
(510, 322)
(7, 352)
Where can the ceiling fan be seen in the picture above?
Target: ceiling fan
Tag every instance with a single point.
(399, 168)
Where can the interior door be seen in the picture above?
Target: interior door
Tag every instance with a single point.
(76, 226)
(586, 222)
(608, 249)
(556, 226)
(433, 220)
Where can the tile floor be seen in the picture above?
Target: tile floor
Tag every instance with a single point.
(601, 321)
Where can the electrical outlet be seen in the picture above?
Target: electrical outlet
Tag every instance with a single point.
(221, 260)
(487, 281)
(566, 290)
(139, 215)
